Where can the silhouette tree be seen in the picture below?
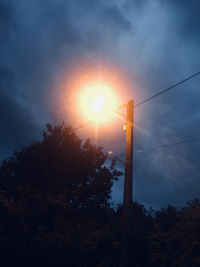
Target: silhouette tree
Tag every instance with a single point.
(55, 202)
(175, 240)
(188, 232)
(55, 210)
(141, 226)
(163, 243)
(60, 165)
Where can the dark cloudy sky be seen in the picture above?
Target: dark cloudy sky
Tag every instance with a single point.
(155, 42)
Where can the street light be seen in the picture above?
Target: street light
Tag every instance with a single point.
(98, 102)
(104, 106)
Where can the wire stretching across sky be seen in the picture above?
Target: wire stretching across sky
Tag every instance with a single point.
(167, 89)
(149, 98)
(169, 145)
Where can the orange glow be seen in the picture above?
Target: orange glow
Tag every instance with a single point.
(91, 91)
(98, 101)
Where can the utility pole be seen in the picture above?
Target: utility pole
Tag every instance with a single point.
(128, 182)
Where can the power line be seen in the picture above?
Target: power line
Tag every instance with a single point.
(165, 90)
(169, 145)
(147, 99)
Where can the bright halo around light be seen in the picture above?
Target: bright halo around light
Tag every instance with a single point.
(98, 102)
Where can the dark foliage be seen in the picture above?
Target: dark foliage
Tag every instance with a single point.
(55, 202)
(175, 240)
(55, 211)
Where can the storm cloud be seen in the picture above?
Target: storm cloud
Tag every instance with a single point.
(155, 42)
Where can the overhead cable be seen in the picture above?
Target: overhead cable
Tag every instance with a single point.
(169, 145)
(165, 90)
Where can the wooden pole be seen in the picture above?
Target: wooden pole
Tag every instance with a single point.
(128, 181)
(126, 259)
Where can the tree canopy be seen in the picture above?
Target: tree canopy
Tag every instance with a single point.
(61, 166)
(55, 210)
(55, 196)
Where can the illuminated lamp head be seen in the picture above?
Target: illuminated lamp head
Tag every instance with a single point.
(97, 102)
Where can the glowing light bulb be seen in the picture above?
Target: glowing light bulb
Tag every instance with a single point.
(97, 102)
